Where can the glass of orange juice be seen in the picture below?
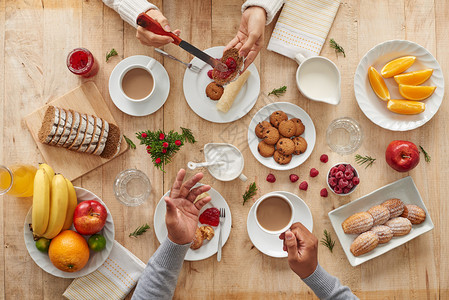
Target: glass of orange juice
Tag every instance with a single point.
(17, 180)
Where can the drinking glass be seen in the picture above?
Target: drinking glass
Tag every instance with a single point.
(17, 180)
(132, 187)
(344, 135)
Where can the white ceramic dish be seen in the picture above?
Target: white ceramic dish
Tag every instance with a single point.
(376, 109)
(158, 96)
(270, 244)
(209, 248)
(403, 189)
(292, 111)
(195, 92)
(96, 259)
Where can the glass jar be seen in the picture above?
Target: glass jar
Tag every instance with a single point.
(81, 62)
(17, 180)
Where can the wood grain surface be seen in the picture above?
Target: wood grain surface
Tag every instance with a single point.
(35, 37)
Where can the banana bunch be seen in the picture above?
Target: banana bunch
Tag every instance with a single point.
(54, 202)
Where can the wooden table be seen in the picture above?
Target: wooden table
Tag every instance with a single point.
(35, 37)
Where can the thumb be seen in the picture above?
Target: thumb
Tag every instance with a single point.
(292, 245)
(171, 208)
(164, 23)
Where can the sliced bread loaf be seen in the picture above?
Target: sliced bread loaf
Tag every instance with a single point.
(80, 133)
(67, 127)
(103, 138)
(88, 135)
(49, 125)
(61, 124)
(96, 136)
(76, 120)
(113, 141)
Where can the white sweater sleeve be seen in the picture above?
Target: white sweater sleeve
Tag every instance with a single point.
(129, 9)
(270, 6)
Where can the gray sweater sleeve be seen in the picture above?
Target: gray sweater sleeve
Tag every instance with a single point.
(160, 276)
(326, 286)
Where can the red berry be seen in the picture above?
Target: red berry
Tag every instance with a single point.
(230, 63)
(294, 177)
(303, 186)
(355, 180)
(157, 161)
(343, 183)
(164, 150)
(271, 178)
(323, 192)
(161, 136)
(144, 135)
(341, 168)
(148, 147)
(165, 144)
(332, 181)
(210, 216)
(346, 190)
(349, 174)
(314, 172)
(149, 151)
(178, 143)
(350, 168)
(338, 190)
(324, 158)
(339, 175)
(209, 73)
(350, 185)
(333, 171)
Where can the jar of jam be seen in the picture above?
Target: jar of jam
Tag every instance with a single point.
(81, 62)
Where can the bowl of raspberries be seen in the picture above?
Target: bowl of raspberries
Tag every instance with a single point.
(342, 179)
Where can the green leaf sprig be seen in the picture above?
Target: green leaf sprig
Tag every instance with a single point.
(368, 160)
(139, 230)
(129, 142)
(327, 240)
(250, 192)
(278, 92)
(337, 47)
(111, 53)
(427, 157)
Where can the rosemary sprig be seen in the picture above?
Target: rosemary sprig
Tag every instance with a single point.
(250, 192)
(426, 155)
(188, 135)
(368, 160)
(111, 53)
(129, 142)
(139, 230)
(278, 92)
(327, 240)
(337, 47)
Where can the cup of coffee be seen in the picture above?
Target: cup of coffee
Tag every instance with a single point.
(274, 213)
(137, 82)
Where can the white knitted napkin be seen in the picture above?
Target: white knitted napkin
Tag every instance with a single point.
(112, 280)
(303, 27)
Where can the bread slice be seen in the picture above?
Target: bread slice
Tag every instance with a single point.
(112, 147)
(103, 138)
(49, 125)
(67, 127)
(96, 135)
(80, 133)
(61, 124)
(76, 120)
(88, 135)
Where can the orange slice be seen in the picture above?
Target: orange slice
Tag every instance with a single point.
(413, 78)
(397, 66)
(406, 107)
(413, 92)
(378, 84)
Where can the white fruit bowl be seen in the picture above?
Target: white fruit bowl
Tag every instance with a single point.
(96, 259)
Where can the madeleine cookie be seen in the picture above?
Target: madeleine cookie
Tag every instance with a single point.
(270, 135)
(277, 117)
(299, 126)
(281, 158)
(285, 146)
(358, 223)
(395, 206)
(265, 149)
(383, 232)
(214, 91)
(414, 213)
(400, 226)
(260, 127)
(364, 243)
(380, 213)
(287, 128)
(300, 145)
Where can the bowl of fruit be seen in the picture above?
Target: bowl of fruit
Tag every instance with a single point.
(342, 179)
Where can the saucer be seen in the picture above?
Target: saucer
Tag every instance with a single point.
(156, 100)
(270, 244)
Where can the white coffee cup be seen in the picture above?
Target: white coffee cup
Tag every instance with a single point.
(149, 68)
(290, 222)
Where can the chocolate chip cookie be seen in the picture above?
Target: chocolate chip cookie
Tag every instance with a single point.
(300, 145)
(287, 128)
(260, 127)
(281, 158)
(285, 146)
(265, 149)
(299, 126)
(277, 117)
(270, 135)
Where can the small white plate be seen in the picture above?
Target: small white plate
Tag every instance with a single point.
(270, 244)
(292, 111)
(139, 109)
(96, 259)
(195, 92)
(376, 109)
(209, 248)
(403, 189)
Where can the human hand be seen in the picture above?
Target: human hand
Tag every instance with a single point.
(182, 215)
(149, 38)
(250, 37)
(302, 248)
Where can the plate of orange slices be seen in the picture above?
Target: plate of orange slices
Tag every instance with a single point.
(399, 85)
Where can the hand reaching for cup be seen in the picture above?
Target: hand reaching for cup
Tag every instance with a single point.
(302, 248)
(182, 214)
(149, 38)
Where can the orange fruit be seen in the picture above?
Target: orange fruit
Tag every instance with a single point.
(406, 107)
(378, 84)
(413, 92)
(397, 66)
(413, 78)
(69, 251)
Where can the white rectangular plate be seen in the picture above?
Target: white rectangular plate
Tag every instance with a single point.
(404, 189)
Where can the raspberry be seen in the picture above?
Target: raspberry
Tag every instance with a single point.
(355, 180)
(271, 178)
(209, 74)
(349, 174)
(338, 190)
(314, 172)
(341, 168)
(294, 177)
(230, 62)
(323, 192)
(332, 181)
(303, 186)
(350, 168)
(339, 175)
(324, 158)
(343, 183)
(350, 185)
(210, 216)
(333, 171)
(346, 190)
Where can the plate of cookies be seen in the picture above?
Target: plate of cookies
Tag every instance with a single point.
(381, 221)
(281, 136)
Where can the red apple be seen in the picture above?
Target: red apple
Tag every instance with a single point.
(402, 155)
(89, 217)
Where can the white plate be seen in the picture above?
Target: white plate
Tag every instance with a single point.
(270, 244)
(209, 248)
(292, 111)
(195, 92)
(156, 100)
(403, 189)
(96, 259)
(376, 109)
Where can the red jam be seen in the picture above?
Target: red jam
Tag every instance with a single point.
(81, 62)
(210, 216)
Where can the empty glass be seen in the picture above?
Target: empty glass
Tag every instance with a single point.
(344, 135)
(132, 187)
